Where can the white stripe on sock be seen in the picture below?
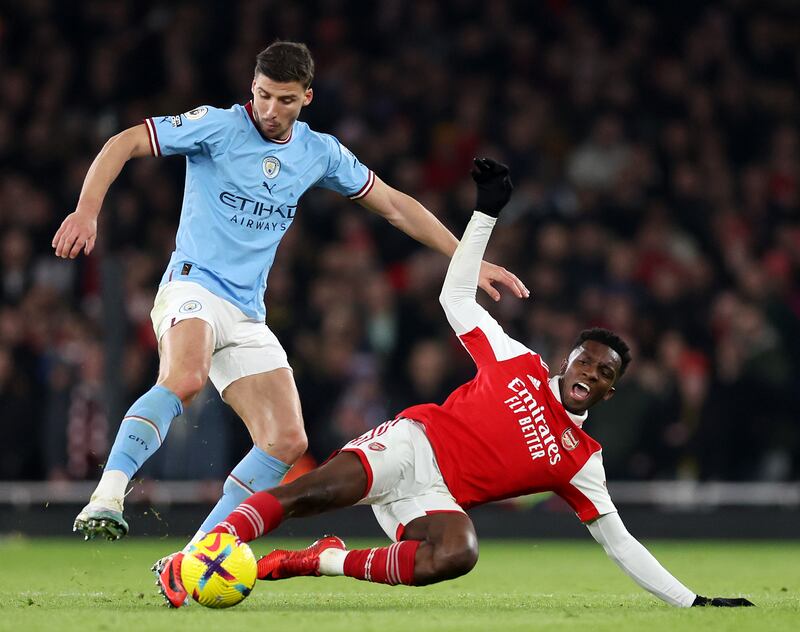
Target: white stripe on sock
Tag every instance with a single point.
(255, 516)
(368, 565)
(253, 525)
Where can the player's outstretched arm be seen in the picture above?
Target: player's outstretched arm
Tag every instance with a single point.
(78, 231)
(405, 213)
(638, 563)
(463, 274)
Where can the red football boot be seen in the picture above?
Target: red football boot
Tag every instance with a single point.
(282, 564)
(168, 580)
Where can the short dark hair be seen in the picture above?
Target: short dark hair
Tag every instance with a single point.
(286, 61)
(610, 339)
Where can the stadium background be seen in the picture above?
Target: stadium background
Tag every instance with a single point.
(656, 160)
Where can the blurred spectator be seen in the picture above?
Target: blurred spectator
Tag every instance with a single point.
(656, 158)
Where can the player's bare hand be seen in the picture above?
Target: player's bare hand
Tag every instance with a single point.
(491, 274)
(77, 232)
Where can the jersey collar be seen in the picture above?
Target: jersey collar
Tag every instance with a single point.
(249, 107)
(576, 419)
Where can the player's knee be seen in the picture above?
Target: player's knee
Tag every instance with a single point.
(451, 560)
(287, 446)
(457, 558)
(187, 385)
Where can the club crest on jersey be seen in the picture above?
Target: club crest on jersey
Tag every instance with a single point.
(271, 166)
(197, 113)
(190, 306)
(568, 440)
(376, 447)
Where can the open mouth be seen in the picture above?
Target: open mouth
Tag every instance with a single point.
(579, 391)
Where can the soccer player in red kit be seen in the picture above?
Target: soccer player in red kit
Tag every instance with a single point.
(512, 430)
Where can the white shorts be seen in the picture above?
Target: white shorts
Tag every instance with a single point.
(242, 345)
(404, 481)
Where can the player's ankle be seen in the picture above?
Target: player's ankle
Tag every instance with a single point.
(112, 486)
(331, 562)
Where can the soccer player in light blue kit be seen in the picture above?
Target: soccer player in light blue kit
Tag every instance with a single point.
(246, 170)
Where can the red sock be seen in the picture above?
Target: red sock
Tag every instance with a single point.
(257, 515)
(387, 565)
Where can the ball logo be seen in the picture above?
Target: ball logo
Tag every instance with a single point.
(376, 447)
(568, 440)
(271, 166)
(197, 113)
(190, 306)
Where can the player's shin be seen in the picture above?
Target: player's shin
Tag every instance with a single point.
(256, 516)
(386, 565)
(142, 431)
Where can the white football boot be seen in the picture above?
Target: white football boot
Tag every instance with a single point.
(101, 517)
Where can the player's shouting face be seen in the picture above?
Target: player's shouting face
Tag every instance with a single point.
(588, 376)
(276, 105)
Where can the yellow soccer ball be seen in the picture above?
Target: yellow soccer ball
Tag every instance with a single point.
(219, 571)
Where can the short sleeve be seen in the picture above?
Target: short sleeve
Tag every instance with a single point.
(586, 492)
(345, 175)
(193, 132)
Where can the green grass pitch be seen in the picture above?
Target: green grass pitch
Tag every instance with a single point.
(66, 585)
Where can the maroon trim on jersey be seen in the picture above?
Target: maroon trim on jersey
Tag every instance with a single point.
(367, 467)
(366, 188)
(249, 107)
(152, 136)
(146, 123)
(478, 346)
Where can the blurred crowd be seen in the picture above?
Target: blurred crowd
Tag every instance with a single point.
(655, 153)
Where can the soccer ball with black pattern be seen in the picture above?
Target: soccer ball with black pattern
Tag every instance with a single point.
(219, 571)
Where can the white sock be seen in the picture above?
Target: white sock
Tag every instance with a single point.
(331, 562)
(111, 486)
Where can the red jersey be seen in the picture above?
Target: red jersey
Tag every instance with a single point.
(506, 433)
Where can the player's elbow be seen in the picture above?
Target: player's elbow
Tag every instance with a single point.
(445, 298)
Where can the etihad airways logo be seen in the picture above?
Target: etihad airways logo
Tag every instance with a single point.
(256, 214)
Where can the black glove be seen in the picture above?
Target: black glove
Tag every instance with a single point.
(722, 602)
(494, 186)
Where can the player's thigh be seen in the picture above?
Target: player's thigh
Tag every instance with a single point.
(268, 403)
(417, 505)
(185, 349)
(185, 319)
(443, 527)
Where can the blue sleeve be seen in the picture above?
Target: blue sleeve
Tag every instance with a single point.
(193, 132)
(346, 175)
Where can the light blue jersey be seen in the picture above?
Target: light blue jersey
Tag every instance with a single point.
(241, 195)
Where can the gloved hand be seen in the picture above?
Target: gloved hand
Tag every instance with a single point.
(722, 602)
(494, 186)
